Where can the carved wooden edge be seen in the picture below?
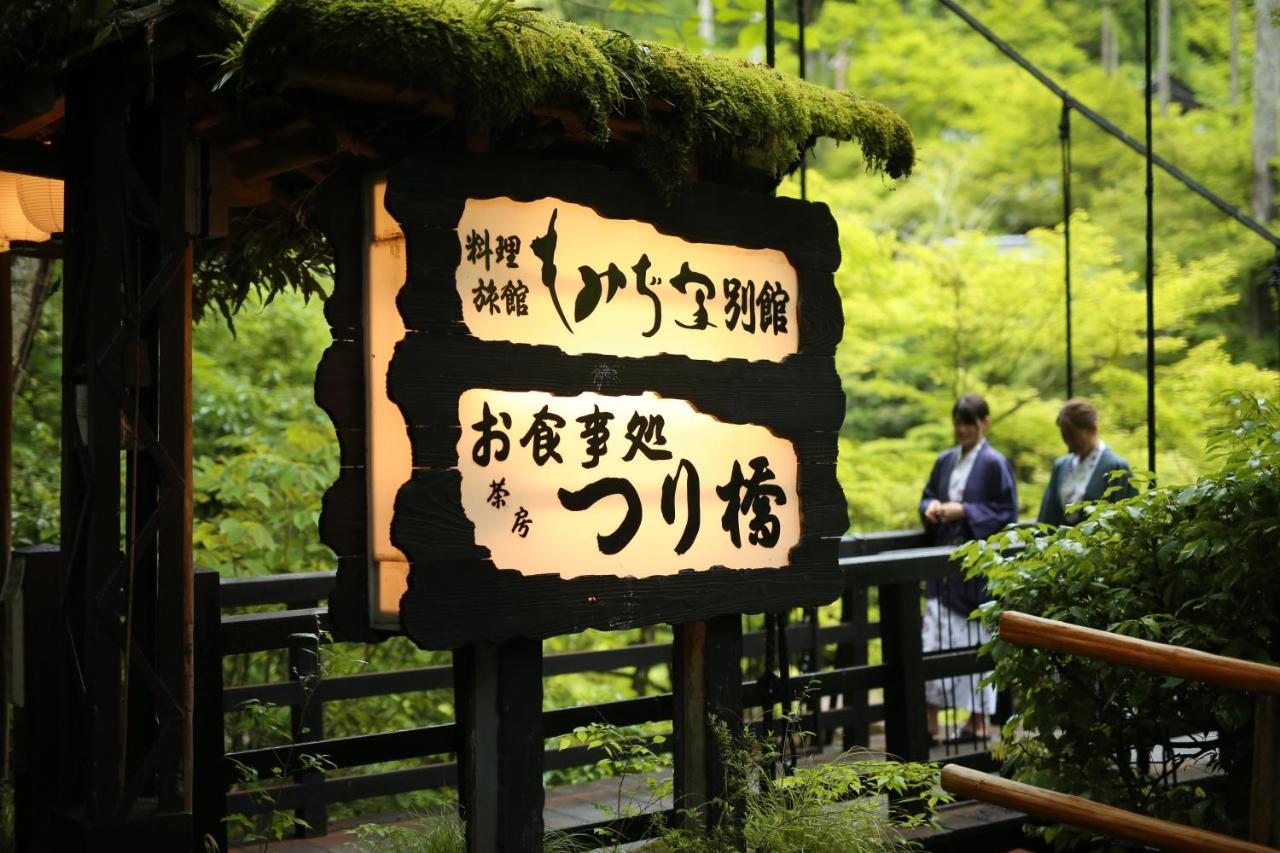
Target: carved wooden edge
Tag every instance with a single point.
(445, 606)
(340, 390)
(431, 189)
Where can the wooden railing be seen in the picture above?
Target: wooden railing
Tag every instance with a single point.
(1035, 632)
(894, 564)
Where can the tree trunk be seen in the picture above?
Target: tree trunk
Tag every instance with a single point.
(707, 24)
(1162, 57)
(32, 283)
(1104, 39)
(1266, 89)
(1235, 53)
(840, 65)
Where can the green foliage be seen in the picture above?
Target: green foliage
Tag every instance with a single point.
(430, 833)
(836, 805)
(1190, 566)
(264, 453)
(926, 322)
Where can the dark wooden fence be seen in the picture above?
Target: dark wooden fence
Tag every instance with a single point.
(894, 564)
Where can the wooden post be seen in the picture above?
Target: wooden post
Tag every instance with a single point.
(498, 700)
(1264, 816)
(853, 611)
(39, 723)
(706, 681)
(6, 486)
(906, 734)
(90, 497)
(209, 789)
(306, 721)
(175, 607)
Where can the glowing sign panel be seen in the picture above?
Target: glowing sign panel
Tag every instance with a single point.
(633, 485)
(553, 272)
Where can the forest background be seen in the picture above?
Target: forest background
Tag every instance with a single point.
(952, 280)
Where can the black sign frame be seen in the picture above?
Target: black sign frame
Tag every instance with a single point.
(456, 595)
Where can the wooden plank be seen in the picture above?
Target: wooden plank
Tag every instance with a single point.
(918, 564)
(343, 789)
(275, 589)
(1081, 812)
(353, 751)
(794, 397)
(256, 632)
(1023, 629)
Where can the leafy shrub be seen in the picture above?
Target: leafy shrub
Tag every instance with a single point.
(1191, 566)
(835, 805)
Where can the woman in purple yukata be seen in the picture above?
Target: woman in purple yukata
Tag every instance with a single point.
(971, 494)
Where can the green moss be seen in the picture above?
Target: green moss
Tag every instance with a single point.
(498, 62)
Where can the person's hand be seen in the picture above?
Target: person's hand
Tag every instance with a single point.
(951, 511)
(933, 512)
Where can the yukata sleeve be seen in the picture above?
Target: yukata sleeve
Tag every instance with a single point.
(997, 503)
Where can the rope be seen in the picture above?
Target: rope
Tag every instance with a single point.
(1064, 137)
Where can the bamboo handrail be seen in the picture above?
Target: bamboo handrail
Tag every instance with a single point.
(1023, 629)
(1078, 811)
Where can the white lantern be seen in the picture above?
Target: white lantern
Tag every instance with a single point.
(41, 200)
(14, 224)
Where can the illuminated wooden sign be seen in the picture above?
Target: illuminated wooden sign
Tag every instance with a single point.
(582, 406)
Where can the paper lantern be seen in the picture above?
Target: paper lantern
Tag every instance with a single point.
(41, 200)
(14, 224)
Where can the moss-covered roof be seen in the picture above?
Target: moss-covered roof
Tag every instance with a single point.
(530, 80)
(499, 62)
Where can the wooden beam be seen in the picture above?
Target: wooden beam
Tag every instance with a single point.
(1087, 814)
(1022, 629)
(33, 125)
(28, 157)
(367, 90)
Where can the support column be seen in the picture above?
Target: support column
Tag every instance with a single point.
(906, 735)
(706, 680)
(498, 699)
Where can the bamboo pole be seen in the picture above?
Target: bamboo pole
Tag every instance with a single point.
(1022, 629)
(1087, 814)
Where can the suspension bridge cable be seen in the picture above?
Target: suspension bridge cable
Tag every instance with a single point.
(1151, 260)
(1064, 135)
(1095, 117)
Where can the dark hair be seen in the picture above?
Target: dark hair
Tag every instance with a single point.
(970, 409)
(1079, 413)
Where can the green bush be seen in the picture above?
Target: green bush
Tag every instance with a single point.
(1191, 566)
